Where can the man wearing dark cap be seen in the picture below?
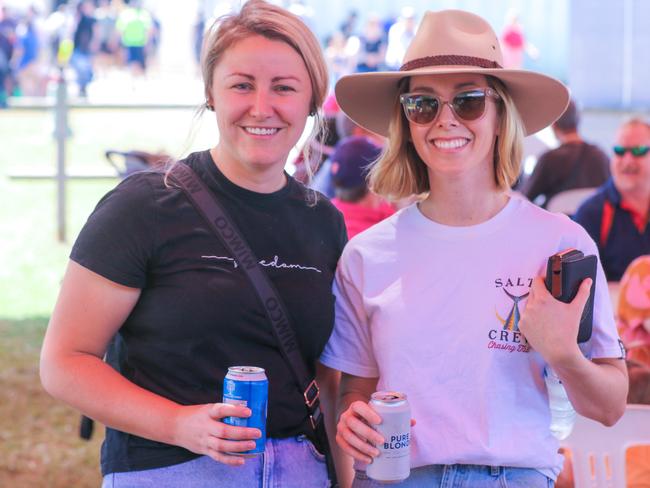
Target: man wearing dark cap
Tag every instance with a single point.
(574, 164)
(360, 207)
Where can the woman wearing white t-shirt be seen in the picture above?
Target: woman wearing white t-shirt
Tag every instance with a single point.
(444, 301)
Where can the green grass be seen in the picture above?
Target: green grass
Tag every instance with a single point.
(39, 442)
(32, 258)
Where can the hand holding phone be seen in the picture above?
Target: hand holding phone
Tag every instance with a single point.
(565, 272)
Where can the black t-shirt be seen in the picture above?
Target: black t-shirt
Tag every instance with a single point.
(197, 313)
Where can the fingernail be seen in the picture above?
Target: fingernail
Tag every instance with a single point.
(258, 434)
(251, 445)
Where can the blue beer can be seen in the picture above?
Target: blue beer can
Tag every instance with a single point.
(248, 386)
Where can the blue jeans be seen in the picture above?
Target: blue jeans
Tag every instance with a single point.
(290, 463)
(464, 476)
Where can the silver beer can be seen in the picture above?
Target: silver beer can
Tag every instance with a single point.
(394, 461)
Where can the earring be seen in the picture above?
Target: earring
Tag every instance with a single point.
(209, 106)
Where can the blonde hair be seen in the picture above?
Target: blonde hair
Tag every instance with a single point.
(257, 17)
(400, 172)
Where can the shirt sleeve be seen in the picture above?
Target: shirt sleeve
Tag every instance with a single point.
(117, 241)
(349, 348)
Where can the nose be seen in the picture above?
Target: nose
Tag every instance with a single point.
(624, 160)
(261, 107)
(446, 116)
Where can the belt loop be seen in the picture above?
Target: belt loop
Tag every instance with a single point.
(495, 470)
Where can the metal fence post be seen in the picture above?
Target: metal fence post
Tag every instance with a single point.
(61, 133)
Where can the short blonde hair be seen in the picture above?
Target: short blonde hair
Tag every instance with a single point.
(400, 172)
(258, 17)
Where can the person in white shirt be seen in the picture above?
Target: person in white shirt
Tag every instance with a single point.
(400, 35)
(445, 300)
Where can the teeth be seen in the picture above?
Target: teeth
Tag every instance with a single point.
(450, 143)
(260, 131)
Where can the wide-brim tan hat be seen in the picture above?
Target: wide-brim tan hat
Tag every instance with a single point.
(451, 42)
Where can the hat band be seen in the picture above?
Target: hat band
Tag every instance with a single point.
(447, 60)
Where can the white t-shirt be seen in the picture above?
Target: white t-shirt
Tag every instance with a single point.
(433, 311)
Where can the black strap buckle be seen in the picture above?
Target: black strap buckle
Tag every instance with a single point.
(311, 394)
(316, 418)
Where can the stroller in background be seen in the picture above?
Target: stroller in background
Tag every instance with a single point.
(128, 162)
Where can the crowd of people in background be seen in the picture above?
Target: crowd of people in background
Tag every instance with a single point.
(89, 36)
(93, 36)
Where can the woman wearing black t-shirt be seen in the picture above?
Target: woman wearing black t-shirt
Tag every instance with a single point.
(146, 269)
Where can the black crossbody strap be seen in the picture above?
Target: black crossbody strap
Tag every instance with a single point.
(232, 239)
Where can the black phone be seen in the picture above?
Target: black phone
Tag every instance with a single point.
(565, 272)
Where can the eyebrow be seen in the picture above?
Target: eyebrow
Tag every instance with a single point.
(274, 79)
(458, 86)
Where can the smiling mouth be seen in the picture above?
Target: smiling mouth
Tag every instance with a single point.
(450, 143)
(262, 131)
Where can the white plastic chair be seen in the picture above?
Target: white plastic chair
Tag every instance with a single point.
(599, 452)
(568, 201)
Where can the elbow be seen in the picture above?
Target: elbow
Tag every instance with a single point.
(608, 416)
(613, 415)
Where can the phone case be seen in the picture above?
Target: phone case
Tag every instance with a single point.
(565, 272)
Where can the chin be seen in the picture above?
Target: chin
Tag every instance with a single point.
(265, 162)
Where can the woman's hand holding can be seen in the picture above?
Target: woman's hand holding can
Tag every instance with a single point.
(354, 433)
(200, 429)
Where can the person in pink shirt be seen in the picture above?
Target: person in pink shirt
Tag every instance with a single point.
(360, 207)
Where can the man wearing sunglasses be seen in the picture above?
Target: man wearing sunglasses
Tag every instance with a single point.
(574, 164)
(616, 217)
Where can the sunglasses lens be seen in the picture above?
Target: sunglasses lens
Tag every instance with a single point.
(637, 151)
(469, 105)
(420, 109)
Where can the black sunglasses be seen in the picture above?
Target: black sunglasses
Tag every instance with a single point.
(637, 151)
(468, 105)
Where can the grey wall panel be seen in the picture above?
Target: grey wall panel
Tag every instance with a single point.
(640, 56)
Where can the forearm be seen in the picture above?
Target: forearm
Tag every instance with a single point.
(350, 394)
(94, 388)
(597, 389)
(353, 389)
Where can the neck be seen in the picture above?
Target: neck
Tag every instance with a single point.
(568, 137)
(464, 198)
(257, 178)
(639, 200)
(459, 204)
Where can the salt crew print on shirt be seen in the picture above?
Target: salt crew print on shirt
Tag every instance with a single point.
(506, 335)
(274, 263)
